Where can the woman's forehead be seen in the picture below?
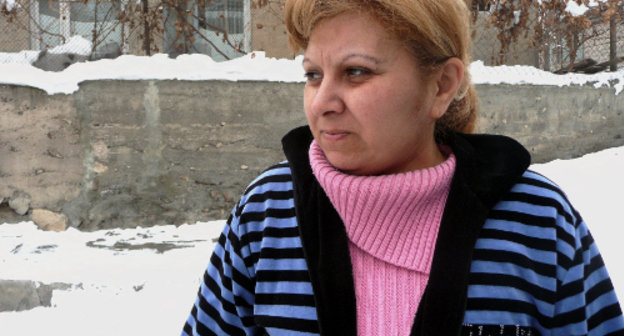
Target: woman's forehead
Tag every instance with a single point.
(352, 35)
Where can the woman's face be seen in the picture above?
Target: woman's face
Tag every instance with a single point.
(366, 100)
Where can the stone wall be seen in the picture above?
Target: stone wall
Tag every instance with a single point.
(130, 153)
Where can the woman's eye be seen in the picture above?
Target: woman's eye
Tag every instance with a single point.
(312, 75)
(357, 71)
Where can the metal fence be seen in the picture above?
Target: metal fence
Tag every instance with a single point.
(553, 52)
(598, 47)
(219, 28)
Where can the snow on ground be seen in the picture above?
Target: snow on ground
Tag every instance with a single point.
(22, 57)
(143, 281)
(75, 44)
(122, 285)
(16, 68)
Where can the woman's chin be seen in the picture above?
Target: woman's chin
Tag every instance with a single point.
(351, 167)
(342, 163)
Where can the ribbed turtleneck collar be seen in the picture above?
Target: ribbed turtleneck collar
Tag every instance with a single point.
(393, 217)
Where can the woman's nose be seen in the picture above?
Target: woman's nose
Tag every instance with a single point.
(327, 98)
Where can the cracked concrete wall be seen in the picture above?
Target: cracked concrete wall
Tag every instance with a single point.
(130, 153)
(162, 152)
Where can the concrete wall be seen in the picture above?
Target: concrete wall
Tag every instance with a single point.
(553, 122)
(128, 153)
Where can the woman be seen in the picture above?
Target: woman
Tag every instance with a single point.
(387, 218)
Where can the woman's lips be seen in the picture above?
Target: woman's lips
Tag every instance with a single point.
(334, 135)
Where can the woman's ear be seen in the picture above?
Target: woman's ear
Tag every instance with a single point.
(448, 80)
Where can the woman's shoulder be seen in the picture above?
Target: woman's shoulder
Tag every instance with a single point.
(271, 179)
(539, 209)
(535, 188)
(267, 201)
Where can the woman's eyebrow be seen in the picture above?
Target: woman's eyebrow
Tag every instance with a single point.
(344, 59)
(368, 57)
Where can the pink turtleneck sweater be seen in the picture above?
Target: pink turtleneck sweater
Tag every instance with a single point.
(392, 222)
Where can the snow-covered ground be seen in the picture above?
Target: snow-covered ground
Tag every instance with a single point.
(120, 286)
(123, 285)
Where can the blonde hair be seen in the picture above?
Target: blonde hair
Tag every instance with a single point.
(433, 30)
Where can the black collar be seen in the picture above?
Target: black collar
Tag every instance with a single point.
(487, 167)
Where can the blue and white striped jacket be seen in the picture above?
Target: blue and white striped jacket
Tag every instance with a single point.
(513, 257)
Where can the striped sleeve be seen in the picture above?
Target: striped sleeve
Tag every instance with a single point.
(224, 303)
(257, 280)
(537, 268)
(586, 301)
(225, 300)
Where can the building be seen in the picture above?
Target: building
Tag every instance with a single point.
(223, 29)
